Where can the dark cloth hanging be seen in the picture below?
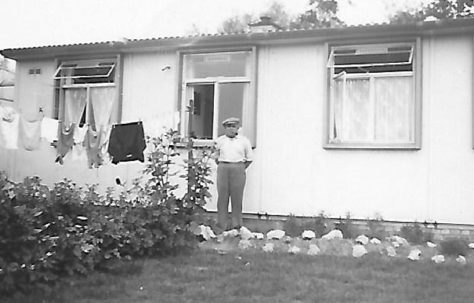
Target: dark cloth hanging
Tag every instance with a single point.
(127, 142)
(92, 146)
(65, 141)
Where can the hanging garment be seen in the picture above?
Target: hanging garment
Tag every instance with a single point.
(92, 146)
(30, 133)
(65, 141)
(127, 142)
(9, 121)
(49, 129)
(102, 101)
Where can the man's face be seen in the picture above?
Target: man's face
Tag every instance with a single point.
(230, 130)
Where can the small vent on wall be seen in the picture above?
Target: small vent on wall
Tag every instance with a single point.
(34, 71)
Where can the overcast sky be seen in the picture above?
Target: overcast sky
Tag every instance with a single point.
(26, 23)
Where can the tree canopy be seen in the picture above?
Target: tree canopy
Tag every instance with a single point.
(321, 13)
(439, 9)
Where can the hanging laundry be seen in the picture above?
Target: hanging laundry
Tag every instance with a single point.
(78, 151)
(9, 121)
(30, 133)
(127, 142)
(65, 141)
(92, 146)
(49, 129)
(102, 101)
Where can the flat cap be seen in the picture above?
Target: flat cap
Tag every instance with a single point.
(232, 120)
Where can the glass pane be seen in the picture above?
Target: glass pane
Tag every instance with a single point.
(203, 111)
(217, 65)
(74, 105)
(231, 100)
(394, 109)
(356, 111)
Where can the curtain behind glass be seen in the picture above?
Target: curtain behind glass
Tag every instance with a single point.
(74, 103)
(394, 110)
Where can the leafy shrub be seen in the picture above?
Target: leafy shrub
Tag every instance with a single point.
(292, 227)
(415, 234)
(376, 228)
(347, 227)
(46, 234)
(295, 227)
(454, 247)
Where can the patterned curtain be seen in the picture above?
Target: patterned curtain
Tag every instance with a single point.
(74, 103)
(379, 114)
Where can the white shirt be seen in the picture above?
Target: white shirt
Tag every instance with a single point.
(236, 149)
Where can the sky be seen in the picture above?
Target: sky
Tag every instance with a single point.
(29, 23)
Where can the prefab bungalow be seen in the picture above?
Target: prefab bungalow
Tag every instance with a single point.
(372, 120)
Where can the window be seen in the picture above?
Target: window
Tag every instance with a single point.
(87, 92)
(216, 86)
(373, 100)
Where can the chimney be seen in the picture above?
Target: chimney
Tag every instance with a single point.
(264, 25)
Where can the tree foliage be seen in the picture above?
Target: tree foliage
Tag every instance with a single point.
(440, 9)
(321, 14)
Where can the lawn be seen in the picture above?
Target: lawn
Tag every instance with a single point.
(206, 275)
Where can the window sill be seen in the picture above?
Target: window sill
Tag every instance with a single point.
(197, 143)
(368, 146)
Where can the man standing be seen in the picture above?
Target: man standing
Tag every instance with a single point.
(233, 156)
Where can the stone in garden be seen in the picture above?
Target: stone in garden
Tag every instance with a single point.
(401, 241)
(395, 244)
(362, 239)
(430, 244)
(231, 233)
(275, 234)
(375, 241)
(438, 259)
(268, 247)
(245, 233)
(333, 234)
(258, 236)
(244, 244)
(414, 254)
(308, 235)
(294, 249)
(287, 239)
(461, 260)
(471, 245)
(391, 252)
(358, 251)
(313, 250)
(205, 232)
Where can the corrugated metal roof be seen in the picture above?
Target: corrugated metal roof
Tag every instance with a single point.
(242, 38)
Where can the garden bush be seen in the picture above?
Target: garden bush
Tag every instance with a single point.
(46, 234)
(454, 247)
(415, 234)
(376, 228)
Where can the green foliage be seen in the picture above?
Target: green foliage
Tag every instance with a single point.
(294, 226)
(415, 234)
(439, 9)
(322, 14)
(347, 227)
(376, 228)
(46, 234)
(454, 247)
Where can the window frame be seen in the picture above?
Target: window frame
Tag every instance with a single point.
(415, 58)
(61, 84)
(249, 106)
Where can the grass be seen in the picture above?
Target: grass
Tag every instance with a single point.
(207, 276)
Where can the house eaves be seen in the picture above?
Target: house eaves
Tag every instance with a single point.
(394, 31)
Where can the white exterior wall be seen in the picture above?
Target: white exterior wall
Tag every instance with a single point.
(299, 176)
(292, 173)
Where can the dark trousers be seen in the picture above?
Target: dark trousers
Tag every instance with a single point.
(230, 184)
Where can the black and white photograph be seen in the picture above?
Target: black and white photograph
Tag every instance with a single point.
(236, 151)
